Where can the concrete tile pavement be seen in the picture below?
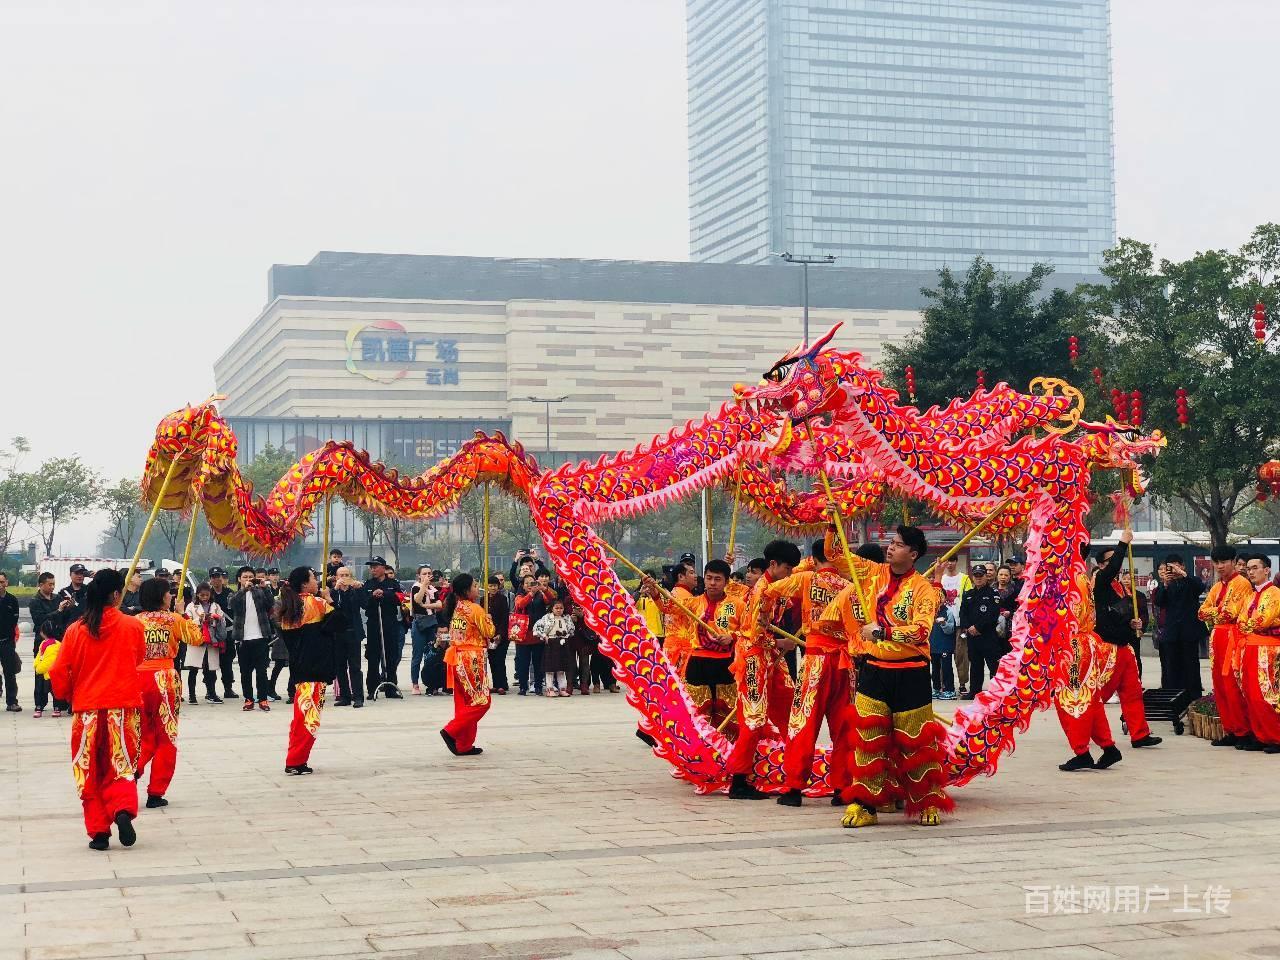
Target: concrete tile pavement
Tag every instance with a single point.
(568, 839)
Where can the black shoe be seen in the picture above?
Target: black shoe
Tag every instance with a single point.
(192, 700)
(645, 738)
(1081, 761)
(1110, 757)
(1271, 748)
(358, 704)
(836, 801)
(473, 752)
(1148, 741)
(792, 798)
(153, 802)
(524, 693)
(212, 698)
(969, 696)
(273, 697)
(100, 841)
(1250, 744)
(342, 703)
(298, 770)
(1226, 740)
(13, 708)
(740, 789)
(289, 701)
(394, 694)
(304, 768)
(229, 693)
(124, 829)
(449, 742)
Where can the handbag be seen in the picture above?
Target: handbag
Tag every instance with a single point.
(518, 627)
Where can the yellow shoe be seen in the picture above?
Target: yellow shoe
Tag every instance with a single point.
(859, 816)
(930, 817)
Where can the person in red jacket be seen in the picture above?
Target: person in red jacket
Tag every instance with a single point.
(97, 670)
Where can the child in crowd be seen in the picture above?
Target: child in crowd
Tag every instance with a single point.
(205, 656)
(46, 652)
(555, 630)
(581, 645)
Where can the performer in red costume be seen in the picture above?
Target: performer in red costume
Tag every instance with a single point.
(161, 687)
(1103, 664)
(97, 670)
(1259, 671)
(310, 627)
(1221, 608)
(467, 660)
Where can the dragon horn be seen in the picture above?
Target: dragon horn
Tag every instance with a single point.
(826, 337)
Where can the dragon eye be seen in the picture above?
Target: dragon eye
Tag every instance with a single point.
(779, 372)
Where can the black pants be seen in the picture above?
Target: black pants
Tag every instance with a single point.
(350, 679)
(602, 670)
(901, 689)
(253, 667)
(983, 651)
(210, 682)
(383, 654)
(8, 665)
(227, 666)
(529, 657)
(44, 690)
(944, 677)
(277, 668)
(498, 664)
(1180, 663)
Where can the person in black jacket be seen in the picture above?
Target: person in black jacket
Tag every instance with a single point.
(222, 597)
(386, 638)
(310, 626)
(500, 614)
(250, 611)
(979, 612)
(9, 660)
(71, 598)
(349, 599)
(131, 604)
(44, 609)
(1183, 630)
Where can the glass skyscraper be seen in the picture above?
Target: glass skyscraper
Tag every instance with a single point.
(901, 133)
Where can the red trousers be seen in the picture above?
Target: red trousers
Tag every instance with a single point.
(308, 701)
(764, 698)
(823, 690)
(104, 755)
(1260, 680)
(466, 716)
(1093, 724)
(161, 700)
(1227, 692)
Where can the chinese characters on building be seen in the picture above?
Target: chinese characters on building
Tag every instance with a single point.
(442, 370)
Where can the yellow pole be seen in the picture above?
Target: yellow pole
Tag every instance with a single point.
(737, 499)
(709, 533)
(711, 628)
(186, 553)
(867, 608)
(484, 586)
(155, 512)
(1128, 526)
(324, 548)
(982, 525)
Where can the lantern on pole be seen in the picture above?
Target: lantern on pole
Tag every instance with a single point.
(1269, 479)
(1184, 416)
(1135, 408)
(1260, 322)
(982, 380)
(911, 383)
(1073, 349)
(1097, 377)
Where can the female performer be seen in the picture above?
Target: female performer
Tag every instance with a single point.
(163, 632)
(470, 630)
(97, 670)
(310, 627)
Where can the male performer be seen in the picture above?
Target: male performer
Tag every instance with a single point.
(678, 630)
(822, 689)
(1259, 671)
(161, 687)
(765, 689)
(897, 740)
(1221, 608)
(1102, 664)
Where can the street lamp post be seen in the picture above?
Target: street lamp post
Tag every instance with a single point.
(804, 262)
(547, 402)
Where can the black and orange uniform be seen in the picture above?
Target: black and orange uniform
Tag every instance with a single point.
(99, 675)
(896, 740)
(467, 660)
(823, 688)
(161, 686)
(313, 663)
(1226, 600)
(1259, 670)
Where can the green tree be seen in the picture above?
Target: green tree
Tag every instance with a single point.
(123, 506)
(267, 468)
(17, 505)
(1188, 324)
(989, 321)
(63, 489)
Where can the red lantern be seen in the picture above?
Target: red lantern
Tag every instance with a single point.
(1260, 322)
(1120, 404)
(1073, 348)
(1269, 479)
(1135, 408)
(1097, 377)
(1184, 416)
(982, 380)
(911, 383)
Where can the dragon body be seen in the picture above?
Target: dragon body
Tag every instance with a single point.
(818, 411)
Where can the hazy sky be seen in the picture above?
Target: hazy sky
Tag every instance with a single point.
(157, 161)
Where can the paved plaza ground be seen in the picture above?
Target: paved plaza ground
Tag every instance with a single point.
(569, 839)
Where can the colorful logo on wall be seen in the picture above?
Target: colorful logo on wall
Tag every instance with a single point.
(381, 342)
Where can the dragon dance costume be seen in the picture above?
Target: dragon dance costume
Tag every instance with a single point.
(1222, 607)
(1259, 665)
(896, 741)
(467, 661)
(161, 696)
(312, 665)
(679, 632)
(823, 687)
(99, 675)
(709, 680)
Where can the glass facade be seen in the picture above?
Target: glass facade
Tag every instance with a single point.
(901, 134)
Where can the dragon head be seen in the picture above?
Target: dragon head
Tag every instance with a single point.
(1118, 446)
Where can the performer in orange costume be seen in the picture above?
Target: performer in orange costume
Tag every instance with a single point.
(1221, 608)
(1259, 670)
(896, 739)
(823, 688)
(161, 687)
(310, 627)
(680, 632)
(97, 670)
(467, 660)
(1102, 664)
